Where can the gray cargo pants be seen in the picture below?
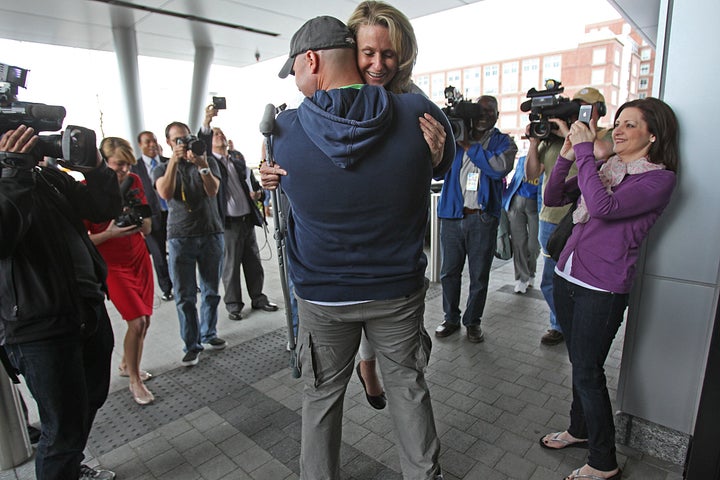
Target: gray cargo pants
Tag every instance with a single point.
(329, 338)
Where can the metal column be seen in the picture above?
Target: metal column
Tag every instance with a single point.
(15, 446)
(434, 260)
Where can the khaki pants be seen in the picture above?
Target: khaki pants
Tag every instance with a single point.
(329, 338)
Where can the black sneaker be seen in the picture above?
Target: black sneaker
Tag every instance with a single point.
(167, 296)
(217, 343)
(87, 473)
(235, 316)
(191, 358)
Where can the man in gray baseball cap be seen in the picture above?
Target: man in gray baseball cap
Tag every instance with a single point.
(350, 269)
(319, 33)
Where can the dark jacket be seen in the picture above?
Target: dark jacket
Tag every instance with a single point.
(38, 213)
(358, 180)
(240, 166)
(140, 169)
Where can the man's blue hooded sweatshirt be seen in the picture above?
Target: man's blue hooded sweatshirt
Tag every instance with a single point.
(358, 181)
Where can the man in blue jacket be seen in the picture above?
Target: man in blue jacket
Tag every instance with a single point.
(469, 211)
(358, 179)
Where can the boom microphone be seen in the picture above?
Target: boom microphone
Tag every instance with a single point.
(267, 124)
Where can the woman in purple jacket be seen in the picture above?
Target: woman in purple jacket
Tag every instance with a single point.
(618, 205)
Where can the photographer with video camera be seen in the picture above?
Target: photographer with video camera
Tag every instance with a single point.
(189, 182)
(469, 210)
(53, 322)
(550, 118)
(121, 242)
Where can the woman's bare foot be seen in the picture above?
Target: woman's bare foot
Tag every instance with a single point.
(560, 440)
(370, 377)
(140, 393)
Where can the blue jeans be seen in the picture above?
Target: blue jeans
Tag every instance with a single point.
(590, 320)
(186, 254)
(545, 229)
(69, 378)
(474, 237)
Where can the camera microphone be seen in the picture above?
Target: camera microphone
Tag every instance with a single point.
(39, 110)
(267, 124)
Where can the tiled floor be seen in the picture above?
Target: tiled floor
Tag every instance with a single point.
(237, 414)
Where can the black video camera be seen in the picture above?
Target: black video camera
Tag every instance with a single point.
(193, 144)
(461, 114)
(546, 104)
(133, 211)
(77, 145)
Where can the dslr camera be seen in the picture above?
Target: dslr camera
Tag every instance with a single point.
(77, 145)
(461, 114)
(133, 211)
(193, 144)
(546, 104)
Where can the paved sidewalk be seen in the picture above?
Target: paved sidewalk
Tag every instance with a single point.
(236, 415)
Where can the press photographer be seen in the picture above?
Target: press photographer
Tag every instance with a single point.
(190, 182)
(469, 210)
(53, 322)
(550, 118)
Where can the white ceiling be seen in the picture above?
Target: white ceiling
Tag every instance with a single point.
(163, 28)
(89, 23)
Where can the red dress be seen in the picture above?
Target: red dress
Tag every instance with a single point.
(130, 277)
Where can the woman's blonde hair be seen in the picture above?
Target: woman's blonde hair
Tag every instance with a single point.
(117, 147)
(402, 38)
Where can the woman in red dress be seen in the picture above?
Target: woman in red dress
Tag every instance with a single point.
(130, 276)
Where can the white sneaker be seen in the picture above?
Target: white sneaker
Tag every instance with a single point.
(531, 282)
(520, 287)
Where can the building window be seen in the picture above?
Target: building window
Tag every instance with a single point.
(643, 84)
(471, 82)
(530, 74)
(645, 69)
(438, 87)
(552, 67)
(617, 56)
(645, 53)
(598, 76)
(642, 95)
(510, 77)
(509, 104)
(508, 121)
(616, 78)
(599, 56)
(614, 97)
(423, 82)
(490, 84)
(453, 78)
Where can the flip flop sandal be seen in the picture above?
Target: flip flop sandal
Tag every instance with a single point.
(576, 474)
(566, 444)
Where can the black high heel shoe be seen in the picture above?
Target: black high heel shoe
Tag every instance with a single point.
(378, 402)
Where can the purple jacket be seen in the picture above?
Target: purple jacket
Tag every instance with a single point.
(605, 249)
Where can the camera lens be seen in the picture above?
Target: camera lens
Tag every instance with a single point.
(50, 146)
(197, 147)
(540, 130)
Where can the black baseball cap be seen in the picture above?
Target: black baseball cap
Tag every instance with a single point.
(319, 33)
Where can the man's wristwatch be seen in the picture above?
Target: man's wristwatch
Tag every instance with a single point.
(204, 171)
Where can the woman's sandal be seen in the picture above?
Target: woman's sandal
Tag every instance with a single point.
(576, 474)
(565, 443)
